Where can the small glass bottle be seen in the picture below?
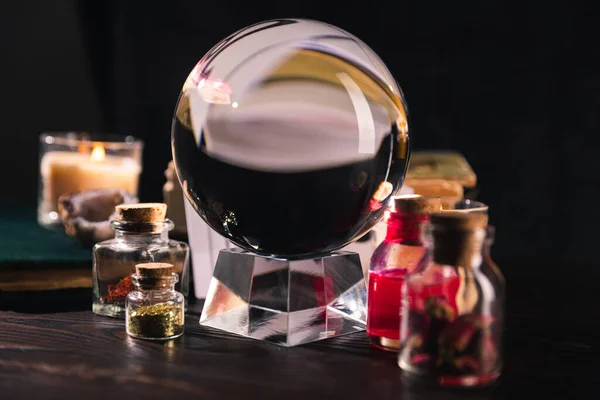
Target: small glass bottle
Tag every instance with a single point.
(393, 259)
(453, 305)
(154, 310)
(141, 236)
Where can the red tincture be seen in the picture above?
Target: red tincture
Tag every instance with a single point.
(383, 321)
(396, 257)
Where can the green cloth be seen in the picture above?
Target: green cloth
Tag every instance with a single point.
(23, 243)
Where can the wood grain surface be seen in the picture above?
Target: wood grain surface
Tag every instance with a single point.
(76, 354)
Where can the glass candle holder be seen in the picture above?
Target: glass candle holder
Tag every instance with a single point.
(79, 161)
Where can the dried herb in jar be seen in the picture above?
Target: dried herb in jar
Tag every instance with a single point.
(451, 331)
(454, 345)
(118, 292)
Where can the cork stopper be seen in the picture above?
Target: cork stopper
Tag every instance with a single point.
(142, 212)
(458, 238)
(154, 270)
(458, 221)
(417, 204)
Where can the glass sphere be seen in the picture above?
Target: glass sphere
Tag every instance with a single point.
(289, 138)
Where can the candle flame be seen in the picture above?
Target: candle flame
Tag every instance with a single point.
(98, 153)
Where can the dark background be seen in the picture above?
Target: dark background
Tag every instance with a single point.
(513, 86)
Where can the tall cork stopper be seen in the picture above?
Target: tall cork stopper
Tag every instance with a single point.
(458, 240)
(458, 237)
(141, 212)
(455, 221)
(154, 270)
(416, 204)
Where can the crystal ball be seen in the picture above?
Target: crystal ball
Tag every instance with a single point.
(289, 138)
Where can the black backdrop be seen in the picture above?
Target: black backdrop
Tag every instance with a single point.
(513, 86)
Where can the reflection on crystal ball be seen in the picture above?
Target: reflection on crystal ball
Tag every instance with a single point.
(289, 138)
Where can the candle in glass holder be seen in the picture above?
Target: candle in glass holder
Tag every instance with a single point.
(79, 162)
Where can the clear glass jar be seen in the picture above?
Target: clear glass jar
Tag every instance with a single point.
(453, 305)
(154, 310)
(115, 260)
(393, 259)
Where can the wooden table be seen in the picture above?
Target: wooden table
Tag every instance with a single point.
(76, 354)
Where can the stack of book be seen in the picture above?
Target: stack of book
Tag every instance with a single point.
(446, 174)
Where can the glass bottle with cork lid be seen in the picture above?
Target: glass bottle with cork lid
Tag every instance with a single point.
(453, 305)
(393, 259)
(141, 236)
(154, 310)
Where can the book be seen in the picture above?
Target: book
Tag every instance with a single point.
(34, 258)
(441, 164)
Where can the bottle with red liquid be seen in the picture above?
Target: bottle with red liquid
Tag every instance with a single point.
(393, 259)
(453, 305)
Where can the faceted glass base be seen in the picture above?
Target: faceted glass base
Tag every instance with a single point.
(286, 302)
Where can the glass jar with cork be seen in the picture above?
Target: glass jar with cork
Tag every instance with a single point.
(453, 305)
(393, 259)
(154, 310)
(141, 236)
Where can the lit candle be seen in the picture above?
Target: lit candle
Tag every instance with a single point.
(76, 171)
